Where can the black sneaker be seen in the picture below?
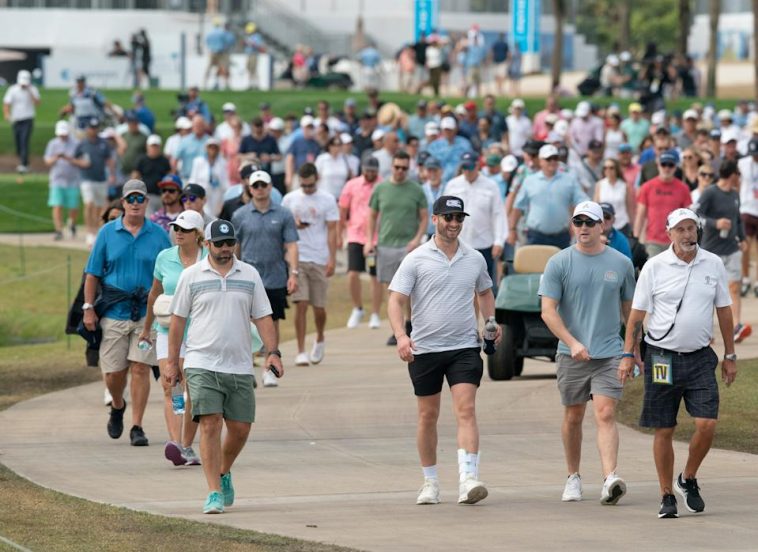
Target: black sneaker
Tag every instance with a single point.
(116, 422)
(392, 341)
(690, 493)
(72, 228)
(668, 507)
(138, 437)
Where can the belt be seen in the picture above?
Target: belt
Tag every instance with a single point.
(677, 353)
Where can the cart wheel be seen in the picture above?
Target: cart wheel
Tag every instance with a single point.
(502, 365)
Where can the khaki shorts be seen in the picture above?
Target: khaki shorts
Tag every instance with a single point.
(579, 380)
(93, 192)
(312, 284)
(230, 395)
(119, 345)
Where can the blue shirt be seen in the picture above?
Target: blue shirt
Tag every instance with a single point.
(431, 197)
(449, 154)
(370, 57)
(189, 147)
(547, 201)
(216, 40)
(99, 152)
(126, 262)
(146, 117)
(500, 51)
(304, 150)
(474, 56)
(618, 241)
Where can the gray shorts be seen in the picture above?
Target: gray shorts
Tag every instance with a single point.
(733, 265)
(388, 260)
(578, 381)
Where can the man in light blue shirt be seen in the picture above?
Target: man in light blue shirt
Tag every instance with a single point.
(190, 147)
(449, 148)
(547, 198)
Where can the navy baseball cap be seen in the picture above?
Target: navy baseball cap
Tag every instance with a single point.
(667, 157)
(468, 161)
(715, 134)
(608, 209)
(370, 162)
(448, 204)
(432, 163)
(193, 189)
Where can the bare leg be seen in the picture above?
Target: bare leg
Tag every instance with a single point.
(663, 453)
(607, 432)
(116, 383)
(319, 315)
(571, 431)
(426, 432)
(189, 428)
(301, 313)
(734, 292)
(234, 442)
(354, 284)
(140, 389)
(700, 444)
(377, 294)
(464, 399)
(173, 422)
(210, 449)
(58, 218)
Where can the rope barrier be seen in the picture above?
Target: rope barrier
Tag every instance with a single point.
(32, 275)
(27, 216)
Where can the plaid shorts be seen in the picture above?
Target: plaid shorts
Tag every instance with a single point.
(694, 379)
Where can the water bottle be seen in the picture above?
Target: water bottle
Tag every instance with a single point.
(724, 234)
(371, 260)
(490, 333)
(177, 398)
(144, 345)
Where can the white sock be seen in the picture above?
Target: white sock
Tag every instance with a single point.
(430, 472)
(468, 464)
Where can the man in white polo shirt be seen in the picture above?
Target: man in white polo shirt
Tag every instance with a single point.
(220, 294)
(678, 290)
(439, 279)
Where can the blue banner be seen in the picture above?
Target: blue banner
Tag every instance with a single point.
(525, 22)
(426, 18)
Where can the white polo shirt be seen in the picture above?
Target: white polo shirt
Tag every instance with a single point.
(660, 287)
(486, 226)
(220, 309)
(442, 291)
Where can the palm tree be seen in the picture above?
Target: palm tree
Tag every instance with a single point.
(625, 24)
(714, 10)
(559, 13)
(685, 20)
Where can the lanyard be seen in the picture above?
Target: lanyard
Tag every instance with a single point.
(679, 306)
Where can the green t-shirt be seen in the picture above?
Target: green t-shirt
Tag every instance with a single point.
(398, 206)
(135, 146)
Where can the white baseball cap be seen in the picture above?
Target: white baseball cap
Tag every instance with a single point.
(277, 123)
(590, 209)
(547, 151)
(690, 114)
(183, 123)
(260, 176)
(729, 135)
(189, 220)
(378, 134)
(509, 163)
(62, 128)
(24, 77)
(448, 123)
(561, 128)
(346, 138)
(228, 106)
(154, 140)
(567, 114)
(431, 128)
(306, 121)
(678, 215)
(517, 103)
(582, 109)
(658, 118)
(725, 114)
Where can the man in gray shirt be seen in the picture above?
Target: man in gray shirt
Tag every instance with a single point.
(585, 290)
(439, 280)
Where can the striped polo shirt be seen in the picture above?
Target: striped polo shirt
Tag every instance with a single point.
(442, 292)
(220, 309)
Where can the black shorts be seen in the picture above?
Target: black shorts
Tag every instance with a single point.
(278, 299)
(428, 371)
(356, 262)
(694, 379)
(750, 224)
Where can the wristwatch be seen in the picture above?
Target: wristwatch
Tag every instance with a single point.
(276, 352)
(731, 356)
(294, 271)
(87, 306)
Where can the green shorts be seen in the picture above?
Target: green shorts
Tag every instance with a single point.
(231, 395)
(67, 198)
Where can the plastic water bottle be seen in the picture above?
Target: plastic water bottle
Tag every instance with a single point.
(371, 260)
(177, 398)
(144, 345)
(724, 234)
(490, 333)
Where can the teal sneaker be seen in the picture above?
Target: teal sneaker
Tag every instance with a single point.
(214, 504)
(227, 488)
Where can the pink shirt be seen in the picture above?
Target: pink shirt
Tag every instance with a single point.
(661, 198)
(355, 197)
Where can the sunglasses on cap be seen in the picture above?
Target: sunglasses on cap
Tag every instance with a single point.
(169, 191)
(135, 198)
(457, 217)
(259, 184)
(189, 198)
(183, 230)
(231, 242)
(578, 222)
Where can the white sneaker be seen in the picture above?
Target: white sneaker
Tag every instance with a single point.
(613, 489)
(430, 492)
(302, 359)
(374, 322)
(317, 352)
(269, 379)
(107, 399)
(355, 318)
(572, 492)
(89, 240)
(471, 491)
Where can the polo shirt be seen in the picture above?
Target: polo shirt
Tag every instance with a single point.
(635, 131)
(189, 147)
(547, 201)
(355, 197)
(441, 291)
(715, 204)
(661, 198)
(486, 225)
(126, 262)
(620, 243)
(262, 237)
(661, 286)
(168, 268)
(219, 309)
(98, 152)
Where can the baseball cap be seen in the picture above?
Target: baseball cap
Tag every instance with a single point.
(61, 128)
(752, 146)
(547, 151)
(493, 160)
(183, 123)
(171, 180)
(350, 102)
(518, 103)
(218, 230)
(94, 122)
(431, 128)
(678, 215)
(595, 144)
(590, 209)
(634, 107)
(194, 189)
(277, 123)
(468, 161)
(212, 142)
(422, 104)
(608, 208)
(228, 107)
(448, 204)
(260, 176)
(714, 134)
(432, 163)
(378, 134)
(306, 121)
(729, 135)
(690, 114)
(24, 77)
(551, 118)
(133, 186)
(582, 109)
(448, 123)
(81, 78)
(131, 116)
(306, 110)
(346, 138)
(370, 163)
(667, 157)
(189, 220)
(263, 106)
(532, 147)
(625, 148)
(724, 114)
(509, 163)
(658, 118)
(470, 105)
(154, 140)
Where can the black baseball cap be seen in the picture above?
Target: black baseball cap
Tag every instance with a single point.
(468, 161)
(448, 204)
(532, 147)
(608, 209)
(193, 189)
(370, 162)
(752, 146)
(595, 144)
(220, 229)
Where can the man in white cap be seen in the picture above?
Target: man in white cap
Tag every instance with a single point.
(585, 128)
(19, 107)
(587, 292)
(182, 125)
(390, 144)
(678, 291)
(151, 168)
(449, 147)
(687, 135)
(224, 128)
(304, 149)
(518, 127)
(64, 178)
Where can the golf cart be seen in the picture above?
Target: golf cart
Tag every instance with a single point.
(517, 310)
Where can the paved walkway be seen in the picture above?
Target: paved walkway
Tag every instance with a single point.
(332, 458)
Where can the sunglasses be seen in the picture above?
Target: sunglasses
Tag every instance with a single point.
(135, 198)
(400, 167)
(609, 168)
(225, 243)
(457, 217)
(707, 175)
(190, 198)
(183, 230)
(668, 165)
(259, 184)
(169, 191)
(578, 222)
(606, 216)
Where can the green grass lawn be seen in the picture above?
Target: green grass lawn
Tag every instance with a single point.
(23, 204)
